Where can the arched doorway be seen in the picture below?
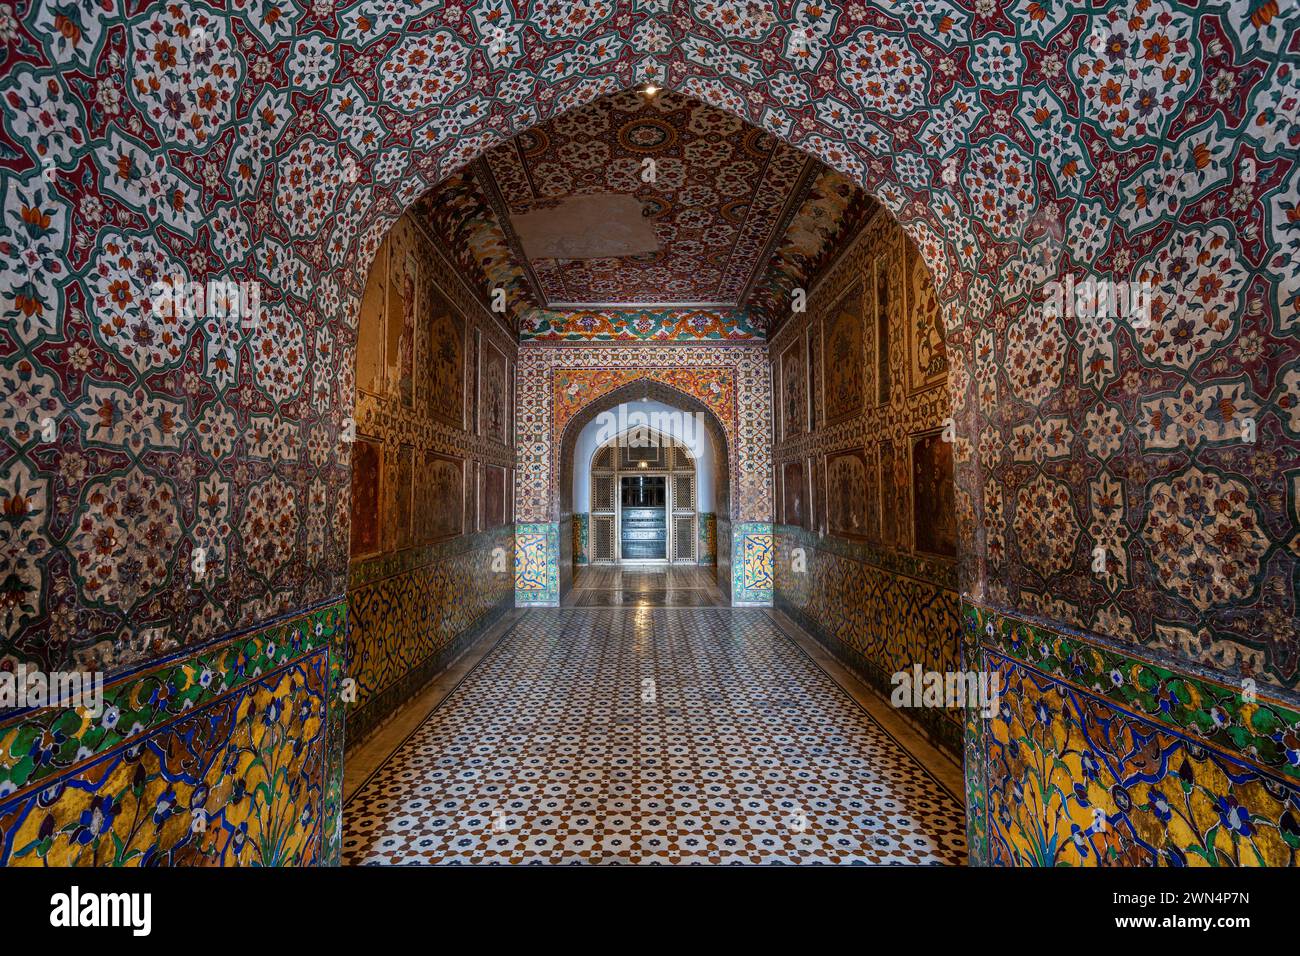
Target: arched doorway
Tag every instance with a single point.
(647, 392)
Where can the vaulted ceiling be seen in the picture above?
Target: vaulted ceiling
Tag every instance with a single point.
(646, 201)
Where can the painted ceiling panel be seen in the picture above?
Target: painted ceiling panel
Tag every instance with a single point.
(733, 219)
(715, 191)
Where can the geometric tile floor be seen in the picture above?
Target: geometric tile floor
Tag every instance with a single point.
(642, 736)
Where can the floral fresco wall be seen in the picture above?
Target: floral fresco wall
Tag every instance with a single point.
(866, 527)
(1017, 143)
(432, 543)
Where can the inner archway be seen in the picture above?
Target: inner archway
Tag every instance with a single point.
(635, 394)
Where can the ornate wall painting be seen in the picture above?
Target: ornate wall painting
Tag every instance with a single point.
(473, 414)
(572, 388)
(778, 495)
(445, 347)
(480, 478)
(394, 309)
(471, 496)
(367, 465)
(871, 497)
(440, 504)
(423, 519)
(813, 359)
(842, 352)
(849, 512)
(814, 502)
(403, 302)
(510, 405)
(890, 517)
(370, 326)
(641, 325)
(795, 496)
(402, 500)
(494, 393)
(794, 389)
(927, 354)
(819, 493)
(882, 309)
(934, 504)
(494, 496)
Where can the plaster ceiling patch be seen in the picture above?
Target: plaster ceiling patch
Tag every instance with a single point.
(586, 227)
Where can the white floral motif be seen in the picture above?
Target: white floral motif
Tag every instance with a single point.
(996, 62)
(125, 538)
(307, 186)
(279, 354)
(884, 72)
(424, 70)
(39, 112)
(185, 72)
(130, 284)
(32, 268)
(1196, 279)
(1134, 68)
(312, 63)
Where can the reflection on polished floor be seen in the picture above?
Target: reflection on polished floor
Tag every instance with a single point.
(651, 735)
(646, 585)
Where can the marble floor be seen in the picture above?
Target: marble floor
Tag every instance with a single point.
(645, 586)
(650, 735)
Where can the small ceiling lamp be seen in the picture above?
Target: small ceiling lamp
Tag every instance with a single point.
(649, 89)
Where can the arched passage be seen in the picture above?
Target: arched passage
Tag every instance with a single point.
(723, 437)
(1015, 145)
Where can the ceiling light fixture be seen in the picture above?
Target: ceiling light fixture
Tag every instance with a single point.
(650, 89)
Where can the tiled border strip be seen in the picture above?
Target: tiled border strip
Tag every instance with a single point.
(39, 746)
(1264, 733)
(369, 570)
(938, 571)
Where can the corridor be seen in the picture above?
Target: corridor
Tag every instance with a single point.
(652, 735)
(582, 432)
